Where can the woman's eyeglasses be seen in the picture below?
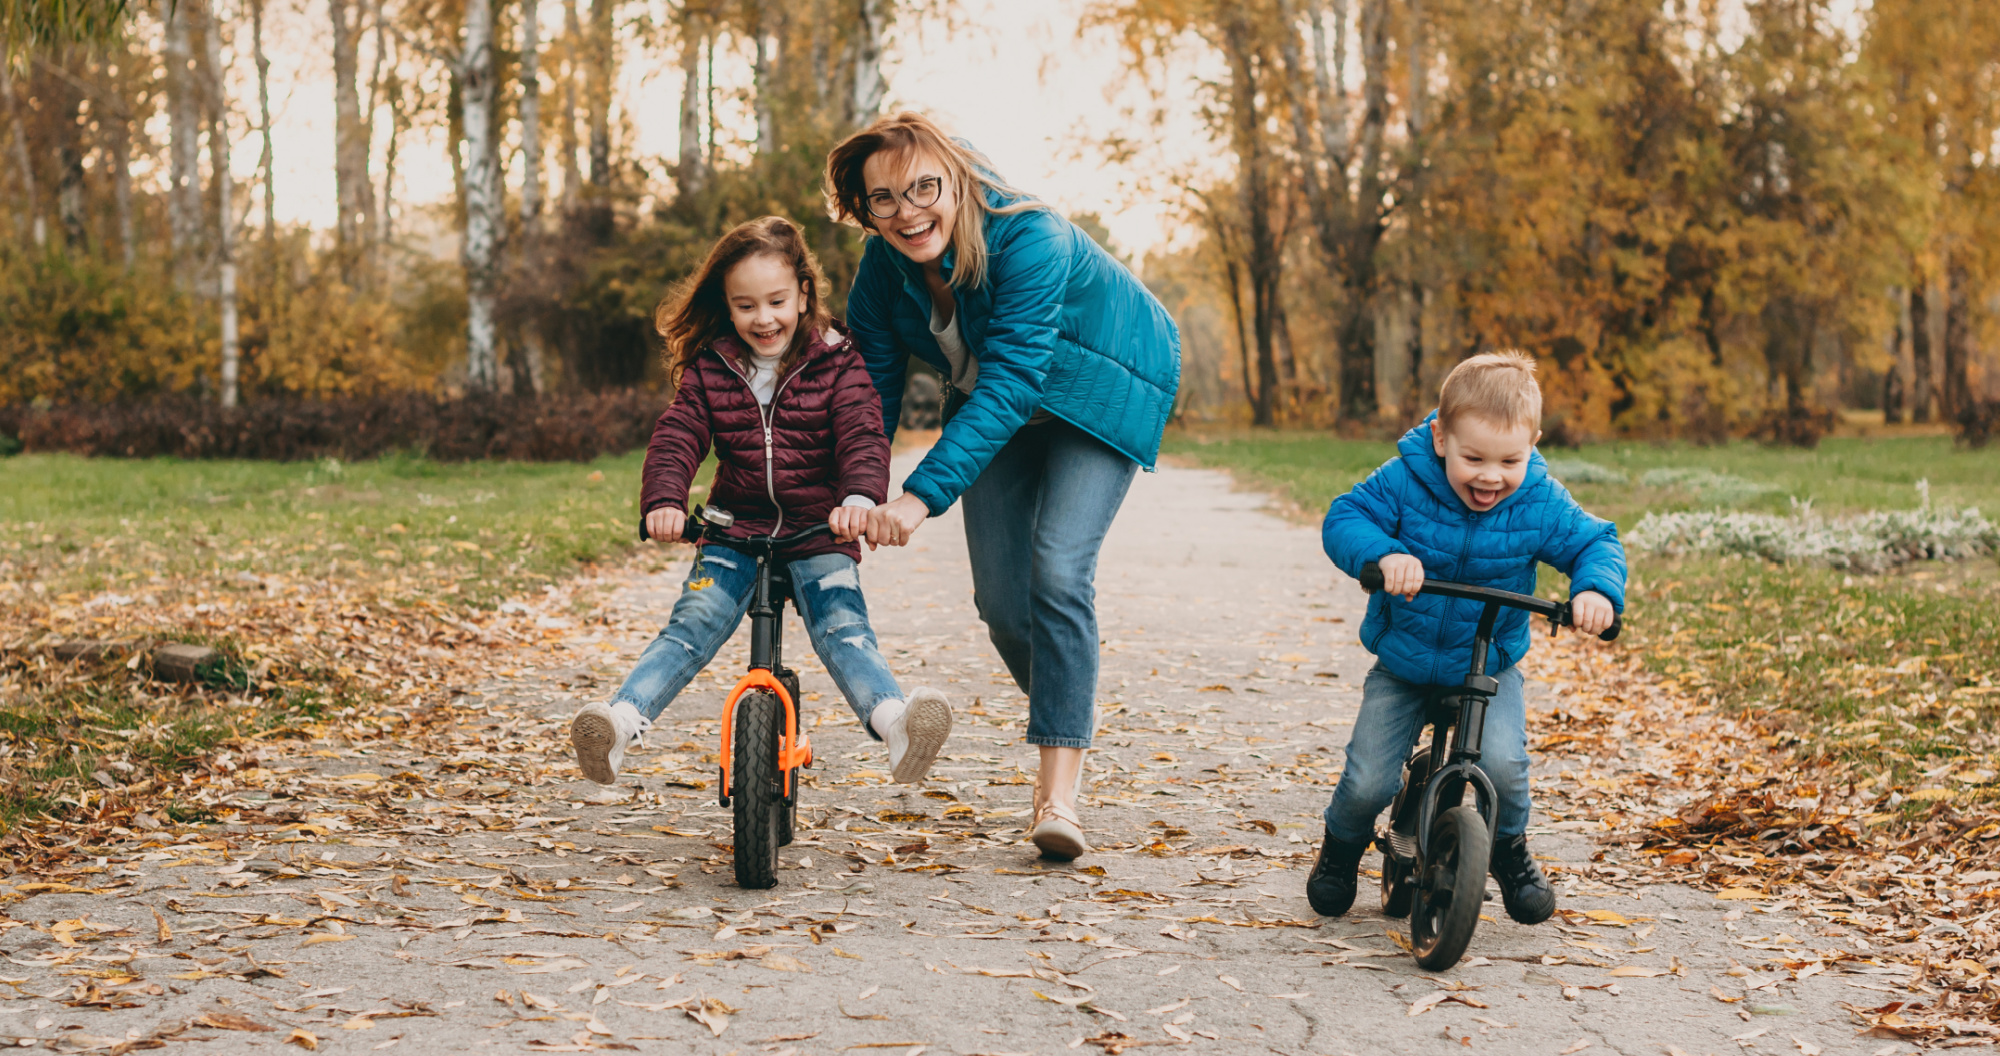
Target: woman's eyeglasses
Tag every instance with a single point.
(922, 194)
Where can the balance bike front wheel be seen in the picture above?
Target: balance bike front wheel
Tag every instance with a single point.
(1450, 886)
(759, 798)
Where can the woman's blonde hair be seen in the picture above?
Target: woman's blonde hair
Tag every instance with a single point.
(968, 172)
(696, 311)
(1497, 387)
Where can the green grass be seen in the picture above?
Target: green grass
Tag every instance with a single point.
(157, 531)
(1885, 673)
(72, 526)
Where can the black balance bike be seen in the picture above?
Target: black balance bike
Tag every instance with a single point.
(1437, 851)
(762, 748)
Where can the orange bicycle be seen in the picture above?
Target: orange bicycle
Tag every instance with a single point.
(763, 749)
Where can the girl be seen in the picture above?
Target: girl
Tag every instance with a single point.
(760, 372)
(1062, 371)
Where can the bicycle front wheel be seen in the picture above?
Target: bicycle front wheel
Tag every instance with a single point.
(1451, 884)
(758, 800)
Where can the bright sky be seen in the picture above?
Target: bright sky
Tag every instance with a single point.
(1014, 78)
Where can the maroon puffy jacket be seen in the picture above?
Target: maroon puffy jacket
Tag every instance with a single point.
(824, 428)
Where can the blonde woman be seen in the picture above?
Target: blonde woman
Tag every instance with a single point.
(1060, 369)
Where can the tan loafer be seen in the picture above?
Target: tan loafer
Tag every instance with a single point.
(1059, 832)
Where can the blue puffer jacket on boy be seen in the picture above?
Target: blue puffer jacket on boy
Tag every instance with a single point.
(1407, 507)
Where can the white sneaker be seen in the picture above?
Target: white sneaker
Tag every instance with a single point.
(600, 734)
(915, 732)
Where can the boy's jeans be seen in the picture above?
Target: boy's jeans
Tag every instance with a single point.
(827, 588)
(1392, 711)
(1034, 522)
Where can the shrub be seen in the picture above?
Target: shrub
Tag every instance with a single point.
(1578, 471)
(537, 429)
(1725, 488)
(1869, 542)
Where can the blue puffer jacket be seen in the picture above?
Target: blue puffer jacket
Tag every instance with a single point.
(1057, 324)
(1407, 507)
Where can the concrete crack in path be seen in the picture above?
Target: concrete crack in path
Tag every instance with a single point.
(469, 892)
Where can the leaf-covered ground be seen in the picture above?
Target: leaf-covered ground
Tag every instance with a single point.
(421, 866)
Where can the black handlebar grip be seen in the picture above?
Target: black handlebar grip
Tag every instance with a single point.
(1611, 633)
(1371, 577)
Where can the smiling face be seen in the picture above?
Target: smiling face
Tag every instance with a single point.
(919, 233)
(765, 299)
(1484, 461)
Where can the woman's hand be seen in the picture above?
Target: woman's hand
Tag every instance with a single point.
(893, 522)
(664, 525)
(848, 522)
(1591, 612)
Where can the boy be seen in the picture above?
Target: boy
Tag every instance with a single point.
(1471, 501)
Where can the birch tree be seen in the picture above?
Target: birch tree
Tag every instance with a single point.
(354, 192)
(225, 212)
(480, 253)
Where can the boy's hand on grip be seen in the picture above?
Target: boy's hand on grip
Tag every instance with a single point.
(664, 525)
(847, 522)
(1402, 574)
(1591, 612)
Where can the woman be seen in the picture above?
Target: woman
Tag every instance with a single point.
(1060, 372)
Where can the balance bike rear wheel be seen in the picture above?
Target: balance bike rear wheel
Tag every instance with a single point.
(758, 801)
(1397, 888)
(1450, 886)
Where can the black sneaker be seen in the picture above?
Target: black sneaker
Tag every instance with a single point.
(1330, 888)
(1526, 892)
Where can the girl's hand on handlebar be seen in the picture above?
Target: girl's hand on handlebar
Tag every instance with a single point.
(893, 522)
(848, 522)
(1404, 575)
(665, 524)
(1591, 612)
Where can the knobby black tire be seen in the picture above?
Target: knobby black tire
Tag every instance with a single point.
(759, 799)
(1450, 888)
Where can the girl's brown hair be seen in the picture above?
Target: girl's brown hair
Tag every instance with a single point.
(968, 172)
(696, 311)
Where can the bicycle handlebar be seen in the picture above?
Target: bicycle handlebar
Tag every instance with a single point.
(1557, 611)
(697, 528)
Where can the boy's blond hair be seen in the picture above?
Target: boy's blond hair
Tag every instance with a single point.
(1495, 387)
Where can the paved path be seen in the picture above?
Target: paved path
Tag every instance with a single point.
(496, 908)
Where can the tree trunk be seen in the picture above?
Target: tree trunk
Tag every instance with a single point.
(1419, 73)
(399, 122)
(268, 159)
(598, 75)
(353, 191)
(67, 154)
(119, 125)
(870, 17)
(691, 169)
(1920, 349)
(1358, 400)
(24, 165)
(481, 250)
(1413, 395)
(766, 92)
(1264, 263)
(225, 208)
(531, 115)
(822, 77)
(1954, 395)
(572, 47)
(183, 134)
(1332, 84)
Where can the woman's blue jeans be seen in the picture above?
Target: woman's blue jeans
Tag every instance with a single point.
(827, 588)
(1391, 719)
(1034, 522)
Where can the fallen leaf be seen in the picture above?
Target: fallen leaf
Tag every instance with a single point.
(230, 1021)
(304, 1039)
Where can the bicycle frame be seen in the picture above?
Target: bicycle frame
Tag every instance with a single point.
(1468, 728)
(767, 619)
